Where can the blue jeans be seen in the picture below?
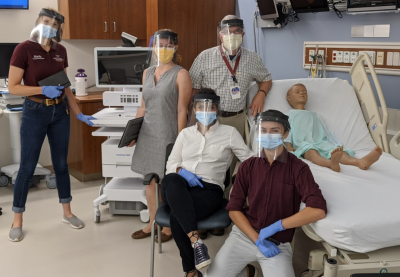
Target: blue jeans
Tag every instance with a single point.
(39, 120)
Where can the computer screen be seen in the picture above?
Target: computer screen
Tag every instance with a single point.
(6, 51)
(308, 6)
(120, 66)
(14, 4)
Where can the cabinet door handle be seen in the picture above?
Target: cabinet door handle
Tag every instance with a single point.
(115, 27)
(105, 26)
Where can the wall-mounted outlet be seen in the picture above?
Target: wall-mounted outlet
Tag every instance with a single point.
(339, 56)
(371, 55)
(380, 57)
(321, 53)
(346, 57)
(311, 54)
(353, 57)
(334, 56)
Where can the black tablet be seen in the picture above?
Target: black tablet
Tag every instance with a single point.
(131, 132)
(58, 79)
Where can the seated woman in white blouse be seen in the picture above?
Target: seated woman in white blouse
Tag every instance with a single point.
(194, 185)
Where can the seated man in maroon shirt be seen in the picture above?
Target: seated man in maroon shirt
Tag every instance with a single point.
(275, 183)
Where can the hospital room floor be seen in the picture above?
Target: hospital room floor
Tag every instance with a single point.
(52, 248)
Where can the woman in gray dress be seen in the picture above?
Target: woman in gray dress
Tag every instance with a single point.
(167, 89)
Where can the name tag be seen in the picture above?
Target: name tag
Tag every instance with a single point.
(235, 92)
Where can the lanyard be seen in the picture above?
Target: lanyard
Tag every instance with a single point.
(233, 72)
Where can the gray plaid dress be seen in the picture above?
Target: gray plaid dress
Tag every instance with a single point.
(160, 123)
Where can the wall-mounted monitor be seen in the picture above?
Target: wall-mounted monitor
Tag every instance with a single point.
(14, 4)
(121, 67)
(354, 6)
(309, 6)
(267, 9)
(6, 51)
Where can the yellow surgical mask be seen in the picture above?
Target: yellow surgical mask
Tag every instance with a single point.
(166, 54)
(232, 41)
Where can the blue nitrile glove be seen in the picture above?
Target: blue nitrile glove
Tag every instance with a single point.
(86, 118)
(191, 178)
(52, 91)
(268, 248)
(270, 230)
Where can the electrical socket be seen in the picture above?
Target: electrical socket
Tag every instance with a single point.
(310, 54)
(371, 55)
(339, 56)
(379, 58)
(346, 57)
(353, 57)
(322, 53)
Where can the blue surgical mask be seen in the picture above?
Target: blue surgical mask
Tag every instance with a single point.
(48, 31)
(206, 118)
(270, 141)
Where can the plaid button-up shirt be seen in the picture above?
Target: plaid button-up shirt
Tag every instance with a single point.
(210, 71)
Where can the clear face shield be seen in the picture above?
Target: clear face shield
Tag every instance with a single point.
(268, 134)
(205, 112)
(49, 26)
(163, 48)
(230, 34)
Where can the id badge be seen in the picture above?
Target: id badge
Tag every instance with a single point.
(235, 92)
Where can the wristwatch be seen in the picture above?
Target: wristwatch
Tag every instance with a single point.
(262, 91)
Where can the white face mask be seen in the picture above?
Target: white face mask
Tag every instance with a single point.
(232, 41)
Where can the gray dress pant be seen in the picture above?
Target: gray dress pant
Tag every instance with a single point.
(238, 251)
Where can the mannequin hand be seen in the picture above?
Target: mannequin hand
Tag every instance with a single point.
(191, 178)
(52, 91)
(86, 118)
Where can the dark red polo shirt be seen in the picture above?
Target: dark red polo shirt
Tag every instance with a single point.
(274, 192)
(37, 63)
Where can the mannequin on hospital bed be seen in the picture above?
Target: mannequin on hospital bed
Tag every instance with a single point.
(310, 138)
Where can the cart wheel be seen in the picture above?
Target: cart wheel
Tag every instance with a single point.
(97, 216)
(4, 181)
(51, 182)
(101, 193)
(144, 216)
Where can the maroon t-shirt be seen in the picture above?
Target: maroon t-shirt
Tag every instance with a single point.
(37, 63)
(274, 191)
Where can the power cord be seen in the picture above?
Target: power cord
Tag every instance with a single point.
(285, 15)
(333, 6)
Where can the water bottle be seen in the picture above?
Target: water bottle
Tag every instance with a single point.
(80, 83)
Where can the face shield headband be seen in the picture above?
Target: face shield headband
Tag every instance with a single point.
(167, 34)
(52, 14)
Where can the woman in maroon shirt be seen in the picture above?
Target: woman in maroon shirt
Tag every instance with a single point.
(45, 112)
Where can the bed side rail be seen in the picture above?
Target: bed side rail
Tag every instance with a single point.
(395, 146)
(377, 125)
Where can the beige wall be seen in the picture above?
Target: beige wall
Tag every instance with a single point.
(15, 26)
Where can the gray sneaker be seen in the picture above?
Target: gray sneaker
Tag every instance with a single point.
(74, 222)
(15, 234)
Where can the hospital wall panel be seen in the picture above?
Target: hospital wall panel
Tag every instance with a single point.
(282, 49)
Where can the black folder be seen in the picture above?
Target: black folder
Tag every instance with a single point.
(58, 79)
(131, 132)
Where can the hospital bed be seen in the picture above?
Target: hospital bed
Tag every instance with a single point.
(361, 232)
